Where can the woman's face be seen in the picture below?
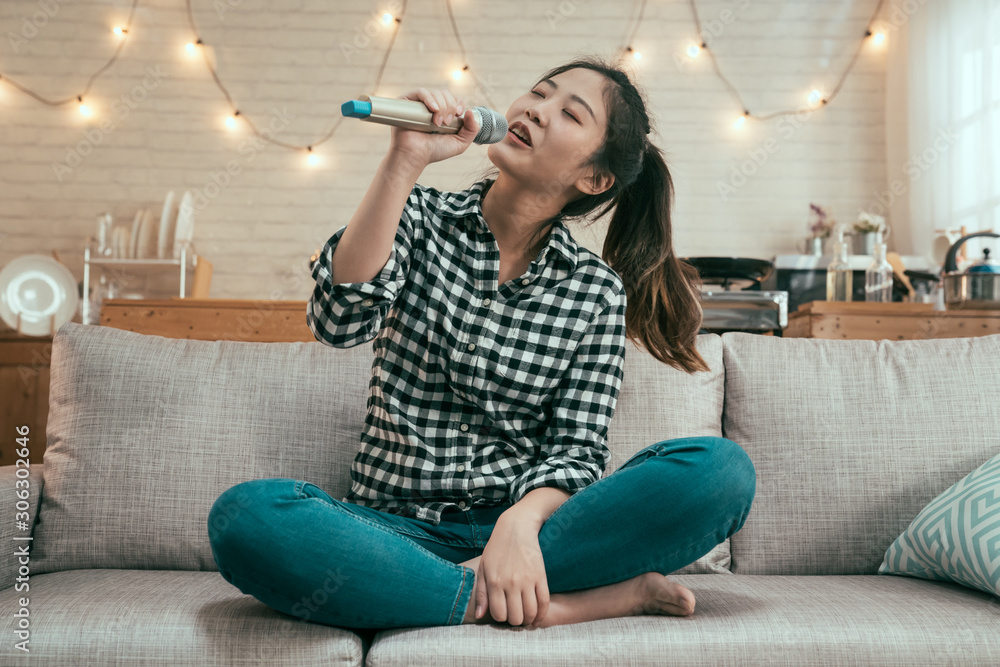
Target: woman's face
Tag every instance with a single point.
(564, 119)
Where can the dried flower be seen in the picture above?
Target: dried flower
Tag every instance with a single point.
(819, 226)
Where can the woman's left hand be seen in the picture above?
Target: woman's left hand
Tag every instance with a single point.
(511, 580)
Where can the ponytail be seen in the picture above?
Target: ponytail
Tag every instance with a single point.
(664, 306)
(664, 311)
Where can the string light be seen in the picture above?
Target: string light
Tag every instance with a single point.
(741, 121)
(635, 30)
(877, 38)
(465, 55)
(693, 51)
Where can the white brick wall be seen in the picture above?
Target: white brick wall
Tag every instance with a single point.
(286, 57)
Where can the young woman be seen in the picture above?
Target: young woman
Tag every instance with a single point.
(478, 493)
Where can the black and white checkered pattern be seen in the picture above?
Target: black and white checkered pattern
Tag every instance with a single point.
(479, 392)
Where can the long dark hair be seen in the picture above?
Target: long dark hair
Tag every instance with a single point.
(664, 310)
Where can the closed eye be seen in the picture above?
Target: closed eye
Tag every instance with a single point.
(535, 92)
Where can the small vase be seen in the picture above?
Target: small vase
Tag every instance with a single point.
(864, 244)
(814, 246)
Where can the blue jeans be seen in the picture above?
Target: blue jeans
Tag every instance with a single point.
(289, 544)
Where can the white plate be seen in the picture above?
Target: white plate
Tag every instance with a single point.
(184, 231)
(136, 223)
(37, 287)
(123, 242)
(167, 219)
(147, 237)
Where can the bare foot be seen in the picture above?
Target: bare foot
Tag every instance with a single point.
(646, 594)
(661, 595)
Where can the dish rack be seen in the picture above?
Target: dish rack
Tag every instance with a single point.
(183, 265)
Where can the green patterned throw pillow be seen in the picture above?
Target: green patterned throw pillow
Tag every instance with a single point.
(957, 536)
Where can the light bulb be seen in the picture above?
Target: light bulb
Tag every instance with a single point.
(815, 96)
(387, 19)
(740, 122)
(693, 51)
(190, 48)
(313, 159)
(457, 75)
(878, 38)
(231, 122)
(84, 110)
(637, 55)
(119, 30)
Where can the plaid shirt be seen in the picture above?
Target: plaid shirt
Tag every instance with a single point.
(479, 392)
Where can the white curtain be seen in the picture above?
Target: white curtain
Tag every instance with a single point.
(942, 123)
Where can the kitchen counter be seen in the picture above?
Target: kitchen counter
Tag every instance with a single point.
(895, 321)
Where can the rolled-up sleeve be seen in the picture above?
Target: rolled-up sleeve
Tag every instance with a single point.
(574, 450)
(348, 314)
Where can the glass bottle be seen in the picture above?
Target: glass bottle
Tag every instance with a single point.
(839, 273)
(878, 276)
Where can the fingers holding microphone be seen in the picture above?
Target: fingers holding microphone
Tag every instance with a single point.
(444, 108)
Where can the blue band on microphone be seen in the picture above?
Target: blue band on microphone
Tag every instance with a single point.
(356, 109)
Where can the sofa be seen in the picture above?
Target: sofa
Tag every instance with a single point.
(850, 440)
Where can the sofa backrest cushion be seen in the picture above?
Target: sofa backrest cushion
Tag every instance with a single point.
(850, 440)
(145, 432)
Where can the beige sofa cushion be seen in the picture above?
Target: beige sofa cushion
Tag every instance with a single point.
(658, 402)
(739, 620)
(850, 440)
(145, 433)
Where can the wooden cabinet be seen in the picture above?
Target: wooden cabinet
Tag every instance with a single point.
(24, 393)
(879, 321)
(211, 319)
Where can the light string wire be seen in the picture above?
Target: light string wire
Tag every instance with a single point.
(86, 89)
(397, 20)
(461, 46)
(822, 102)
(635, 30)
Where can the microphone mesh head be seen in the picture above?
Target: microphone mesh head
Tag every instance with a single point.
(493, 126)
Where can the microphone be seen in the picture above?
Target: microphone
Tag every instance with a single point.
(414, 115)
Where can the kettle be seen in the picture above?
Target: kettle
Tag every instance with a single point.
(978, 288)
(986, 266)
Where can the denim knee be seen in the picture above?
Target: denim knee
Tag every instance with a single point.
(734, 463)
(229, 512)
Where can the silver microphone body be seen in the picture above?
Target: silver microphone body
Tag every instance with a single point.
(414, 115)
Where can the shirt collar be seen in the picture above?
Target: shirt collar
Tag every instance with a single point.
(467, 204)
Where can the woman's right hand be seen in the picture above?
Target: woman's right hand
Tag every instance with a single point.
(426, 147)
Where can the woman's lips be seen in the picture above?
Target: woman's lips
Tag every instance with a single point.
(516, 140)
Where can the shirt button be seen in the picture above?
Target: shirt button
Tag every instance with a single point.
(461, 504)
(460, 468)
(486, 301)
(369, 302)
(464, 427)
(525, 281)
(472, 346)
